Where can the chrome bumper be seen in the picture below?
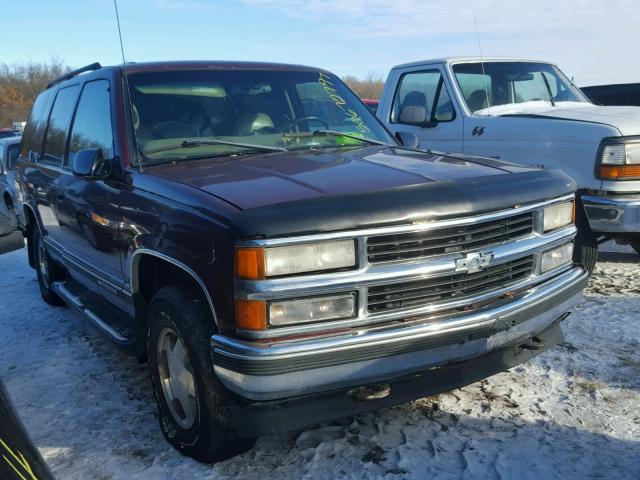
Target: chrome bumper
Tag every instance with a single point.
(615, 214)
(283, 369)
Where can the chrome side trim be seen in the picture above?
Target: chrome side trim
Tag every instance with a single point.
(135, 263)
(409, 228)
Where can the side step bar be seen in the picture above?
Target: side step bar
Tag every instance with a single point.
(75, 302)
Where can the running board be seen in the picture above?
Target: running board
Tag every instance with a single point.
(75, 302)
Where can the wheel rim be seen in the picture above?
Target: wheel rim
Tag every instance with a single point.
(43, 262)
(176, 378)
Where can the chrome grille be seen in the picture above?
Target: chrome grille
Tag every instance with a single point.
(456, 286)
(458, 239)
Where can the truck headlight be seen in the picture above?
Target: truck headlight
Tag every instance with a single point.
(305, 310)
(558, 215)
(620, 159)
(260, 263)
(556, 257)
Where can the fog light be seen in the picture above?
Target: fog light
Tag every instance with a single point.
(292, 312)
(557, 257)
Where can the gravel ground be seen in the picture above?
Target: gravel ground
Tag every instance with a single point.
(573, 412)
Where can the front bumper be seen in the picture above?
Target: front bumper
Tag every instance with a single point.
(262, 371)
(252, 419)
(613, 214)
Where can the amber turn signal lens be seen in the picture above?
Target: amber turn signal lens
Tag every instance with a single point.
(250, 263)
(615, 172)
(251, 314)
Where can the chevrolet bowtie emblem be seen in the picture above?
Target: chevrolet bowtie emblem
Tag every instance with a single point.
(474, 262)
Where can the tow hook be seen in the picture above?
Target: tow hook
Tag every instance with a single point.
(371, 392)
(534, 343)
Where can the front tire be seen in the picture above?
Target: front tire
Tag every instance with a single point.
(46, 270)
(189, 396)
(585, 251)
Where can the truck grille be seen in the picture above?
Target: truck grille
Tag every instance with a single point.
(458, 239)
(456, 286)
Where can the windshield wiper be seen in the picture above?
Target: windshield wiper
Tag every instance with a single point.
(197, 143)
(335, 133)
(546, 82)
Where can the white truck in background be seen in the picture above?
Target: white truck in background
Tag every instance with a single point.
(527, 112)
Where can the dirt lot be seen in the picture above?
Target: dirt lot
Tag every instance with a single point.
(574, 412)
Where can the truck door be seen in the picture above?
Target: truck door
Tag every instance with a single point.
(88, 216)
(422, 105)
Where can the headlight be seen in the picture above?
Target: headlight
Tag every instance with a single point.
(259, 263)
(558, 215)
(307, 310)
(620, 160)
(557, 257)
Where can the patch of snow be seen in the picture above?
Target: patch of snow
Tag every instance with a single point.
(573, 412)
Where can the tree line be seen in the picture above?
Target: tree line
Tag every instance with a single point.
(20, 84)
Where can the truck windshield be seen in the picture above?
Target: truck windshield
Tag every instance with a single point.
(507, 84)
(235, 112)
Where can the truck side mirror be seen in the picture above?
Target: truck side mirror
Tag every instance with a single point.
(90, 163)
(415, 115)
(408, 139)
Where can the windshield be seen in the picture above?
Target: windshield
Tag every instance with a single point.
(195, 114)
(509, 83)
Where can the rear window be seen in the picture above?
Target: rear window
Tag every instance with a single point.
(33, 136)
(59, 122)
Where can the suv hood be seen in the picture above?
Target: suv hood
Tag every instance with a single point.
(625, 119)
(258, 180)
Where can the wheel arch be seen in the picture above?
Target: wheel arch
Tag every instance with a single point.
(144, 255)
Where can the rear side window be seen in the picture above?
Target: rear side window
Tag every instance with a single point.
(424, 90)
(92, 123)
(33, 135)
(59, 122)
(12, 156)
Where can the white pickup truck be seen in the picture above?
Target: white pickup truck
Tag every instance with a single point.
(527, 112)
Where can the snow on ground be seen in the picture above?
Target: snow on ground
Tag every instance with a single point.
(573, 412)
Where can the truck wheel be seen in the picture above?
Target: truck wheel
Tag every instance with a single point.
(585, 251)
(46, 270)
(190, 398)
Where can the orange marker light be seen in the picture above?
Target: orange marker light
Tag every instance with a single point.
(251, 314)
(615, 172)
(250, 263)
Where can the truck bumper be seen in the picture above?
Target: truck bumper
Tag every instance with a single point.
(613, 214)
(285, 369)
(265, 418)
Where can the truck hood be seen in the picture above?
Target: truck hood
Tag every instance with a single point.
(272, 178)
(625, 119)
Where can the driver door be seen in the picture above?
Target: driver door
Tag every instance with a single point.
(424, 107)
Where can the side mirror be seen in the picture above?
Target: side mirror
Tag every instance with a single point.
(90, 164)
(408, 139)
(417, 116)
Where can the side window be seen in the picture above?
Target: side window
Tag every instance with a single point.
(1, 159)
(92, 123)
(55, 141)
(33, 135)
(12, 156)
(422, 97)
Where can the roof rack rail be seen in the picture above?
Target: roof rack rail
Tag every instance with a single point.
(73, 73)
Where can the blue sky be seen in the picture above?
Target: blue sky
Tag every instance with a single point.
(593, 41)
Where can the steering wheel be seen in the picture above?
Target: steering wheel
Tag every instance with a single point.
(309, 118)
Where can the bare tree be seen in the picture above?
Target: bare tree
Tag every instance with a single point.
(368, 87)
(21, 83)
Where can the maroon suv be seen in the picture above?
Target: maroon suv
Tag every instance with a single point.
(277, 256)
